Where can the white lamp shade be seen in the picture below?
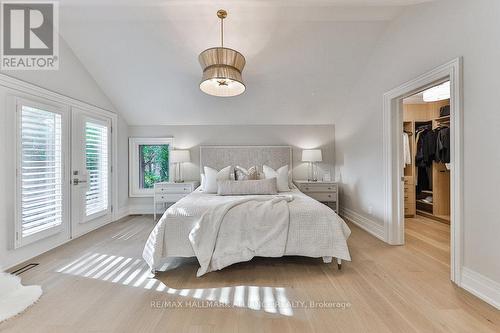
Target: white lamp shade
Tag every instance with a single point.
(179, 156)
(312, 155)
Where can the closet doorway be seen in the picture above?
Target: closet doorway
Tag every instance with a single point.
(426, 146)
(426, 150)
(438, 202)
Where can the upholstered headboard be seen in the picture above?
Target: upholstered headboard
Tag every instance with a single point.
(218, 157)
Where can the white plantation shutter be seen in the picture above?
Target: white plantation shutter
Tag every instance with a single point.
(96, 152)
(40, 168)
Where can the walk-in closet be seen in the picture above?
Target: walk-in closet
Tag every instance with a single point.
(426, 144)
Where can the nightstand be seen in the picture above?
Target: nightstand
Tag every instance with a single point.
(326, 192)
(171, 192)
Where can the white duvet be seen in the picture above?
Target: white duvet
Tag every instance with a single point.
(223, 230)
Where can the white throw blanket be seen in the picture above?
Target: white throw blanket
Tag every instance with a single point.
(239, 230)
(14, 297)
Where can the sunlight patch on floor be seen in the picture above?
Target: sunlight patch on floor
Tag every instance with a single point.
(135, 272)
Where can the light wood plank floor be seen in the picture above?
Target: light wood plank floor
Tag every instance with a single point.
(98, 283)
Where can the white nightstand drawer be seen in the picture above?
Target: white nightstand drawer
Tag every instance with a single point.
(171, 192)
(326, 192)
(169, 197)
(328, 188)
(323, 197)
(174, 189)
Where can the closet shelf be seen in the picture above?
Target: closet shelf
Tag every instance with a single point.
(425, 202)
(427, 192)
(445, 118)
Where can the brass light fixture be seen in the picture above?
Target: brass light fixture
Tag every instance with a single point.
(222, 67)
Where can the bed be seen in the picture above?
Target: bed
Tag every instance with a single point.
(313, 230)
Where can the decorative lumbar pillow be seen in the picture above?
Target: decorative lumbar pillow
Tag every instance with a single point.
(246, 174)
(247, 187)
(281, 176)
(212, 176)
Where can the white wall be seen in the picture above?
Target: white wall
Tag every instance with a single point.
(191, 137)
(425, 37)
(122, 167)
(71, 80)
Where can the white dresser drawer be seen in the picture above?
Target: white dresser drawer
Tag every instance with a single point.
(323, 197)
(327, 188)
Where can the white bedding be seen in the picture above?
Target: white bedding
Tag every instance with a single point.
(239, 230)
(314, 229)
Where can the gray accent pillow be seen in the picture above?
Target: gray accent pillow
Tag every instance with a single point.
(247, 187)
(246, 174)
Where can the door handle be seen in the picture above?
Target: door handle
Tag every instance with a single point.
(77, 181)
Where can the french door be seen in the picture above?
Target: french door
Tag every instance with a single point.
(90, 171)
(63, 171)
(42, 186)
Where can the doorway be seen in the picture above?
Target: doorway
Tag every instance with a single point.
(394, 159)
(90, 171)
(426, 149)
(426, 169)
(63, 162)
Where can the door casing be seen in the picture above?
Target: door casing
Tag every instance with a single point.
(393, 158)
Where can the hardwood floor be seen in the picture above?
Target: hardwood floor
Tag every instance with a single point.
(98, 283)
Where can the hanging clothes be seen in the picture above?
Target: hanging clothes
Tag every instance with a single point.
(426, 151)
(406, 149)
(426, 147)
(443, 145)
(429, 147)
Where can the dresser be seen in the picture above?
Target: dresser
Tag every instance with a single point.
(326, 192)
(409, 193)
(171, 192)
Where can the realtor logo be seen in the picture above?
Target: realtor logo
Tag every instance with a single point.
(29, 37)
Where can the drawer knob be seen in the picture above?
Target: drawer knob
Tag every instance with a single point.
(307, 188)
(329, 188)
(329, 196)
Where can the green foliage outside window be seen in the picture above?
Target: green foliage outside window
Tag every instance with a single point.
(154, 164)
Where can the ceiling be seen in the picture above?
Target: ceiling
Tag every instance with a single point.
(415, 99)
(303, 57)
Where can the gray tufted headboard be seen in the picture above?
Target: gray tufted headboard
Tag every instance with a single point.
(218, 157)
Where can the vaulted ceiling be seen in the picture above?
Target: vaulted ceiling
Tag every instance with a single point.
(303, 57)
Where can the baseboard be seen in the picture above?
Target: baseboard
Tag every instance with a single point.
(481, 286)
(121, 213)
(364, 223)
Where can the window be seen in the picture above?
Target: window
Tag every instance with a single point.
(149, 164)
(96, 155)
(153, 165)
(40, 172)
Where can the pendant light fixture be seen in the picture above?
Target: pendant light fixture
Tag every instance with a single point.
(222, 67)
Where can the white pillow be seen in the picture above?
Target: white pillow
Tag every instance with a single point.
(202, 176)
(281, 176)
(212, 176)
